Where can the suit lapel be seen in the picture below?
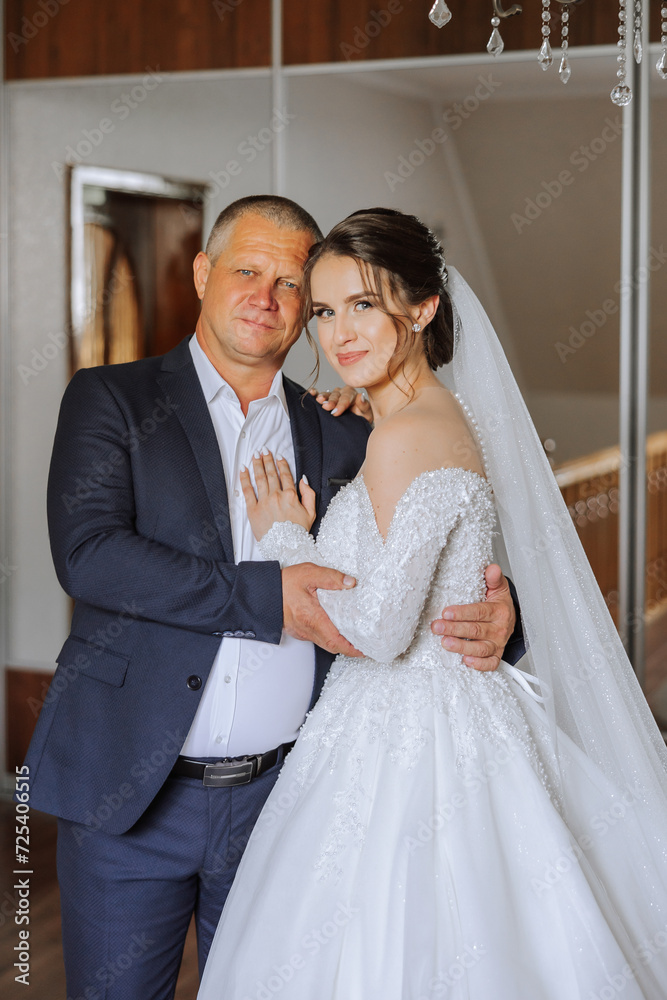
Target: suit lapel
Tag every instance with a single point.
(180, 382)
(306, 437)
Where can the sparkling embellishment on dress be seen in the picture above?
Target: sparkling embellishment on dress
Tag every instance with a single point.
(440, 14)
(435, 552)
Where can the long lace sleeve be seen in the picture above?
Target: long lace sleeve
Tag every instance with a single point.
(380, 615)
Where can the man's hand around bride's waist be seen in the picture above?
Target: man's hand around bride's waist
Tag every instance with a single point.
(276, 498)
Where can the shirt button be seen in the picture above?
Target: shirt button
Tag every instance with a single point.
(227, 678)
(236, 493)
(242, 434)
(218, 739)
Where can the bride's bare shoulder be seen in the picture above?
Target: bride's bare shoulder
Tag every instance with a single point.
(429, 433)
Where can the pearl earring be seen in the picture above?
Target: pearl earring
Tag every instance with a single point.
(416, 327)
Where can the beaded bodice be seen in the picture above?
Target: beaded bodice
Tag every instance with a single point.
(437, 546)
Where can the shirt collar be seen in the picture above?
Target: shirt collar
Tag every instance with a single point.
(213, 383)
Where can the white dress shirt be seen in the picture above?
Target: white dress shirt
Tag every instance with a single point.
(257, 694)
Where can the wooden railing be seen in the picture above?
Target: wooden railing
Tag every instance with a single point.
(590, 488)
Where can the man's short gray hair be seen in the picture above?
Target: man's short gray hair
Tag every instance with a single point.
(281, 211)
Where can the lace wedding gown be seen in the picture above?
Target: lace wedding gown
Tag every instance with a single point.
(414, 845)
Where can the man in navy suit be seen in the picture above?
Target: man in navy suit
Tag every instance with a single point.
(191, 663)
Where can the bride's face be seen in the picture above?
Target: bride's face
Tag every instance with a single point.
(358, 338)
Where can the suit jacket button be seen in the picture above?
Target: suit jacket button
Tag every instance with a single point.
(219, 634)
(194, 682)
(250, 635)
(239, 634)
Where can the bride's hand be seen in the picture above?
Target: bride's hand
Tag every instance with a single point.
(339, 400)
(276, 498)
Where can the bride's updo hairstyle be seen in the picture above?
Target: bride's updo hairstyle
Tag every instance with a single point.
(399, 255)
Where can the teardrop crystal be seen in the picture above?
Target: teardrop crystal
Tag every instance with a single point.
(545, 57)
(661, 65)
(565, 70)
(495, 45)
(638, 48)
(440, 14)
(621, 95)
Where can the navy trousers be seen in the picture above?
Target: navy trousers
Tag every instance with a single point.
(127, 899)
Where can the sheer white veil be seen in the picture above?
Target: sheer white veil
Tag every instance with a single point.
(590, 690)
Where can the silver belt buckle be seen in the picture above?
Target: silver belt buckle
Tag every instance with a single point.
(233, 773)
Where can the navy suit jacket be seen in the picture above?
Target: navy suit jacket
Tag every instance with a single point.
(141, 539)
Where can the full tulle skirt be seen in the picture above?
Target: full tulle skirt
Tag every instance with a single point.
(415, 847)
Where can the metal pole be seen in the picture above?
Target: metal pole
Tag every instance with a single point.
(6, 567)
(634, 319)
(278, 95)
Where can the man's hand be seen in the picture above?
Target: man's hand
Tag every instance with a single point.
(480, 631)
(337, 401)
(303, 615)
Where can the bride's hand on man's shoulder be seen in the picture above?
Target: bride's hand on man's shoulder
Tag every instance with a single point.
(275, 497)
(346, 397)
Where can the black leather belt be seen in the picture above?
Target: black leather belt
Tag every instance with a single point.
(229, 770)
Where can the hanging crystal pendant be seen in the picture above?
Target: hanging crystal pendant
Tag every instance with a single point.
(661, 65)
(565, 70)
(440, 14)
(621, 95)
(495, 44)
(545, 57)
(637, 48)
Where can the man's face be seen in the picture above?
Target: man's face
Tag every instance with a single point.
(251, 298)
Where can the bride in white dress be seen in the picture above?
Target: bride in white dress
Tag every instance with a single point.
(438, 831)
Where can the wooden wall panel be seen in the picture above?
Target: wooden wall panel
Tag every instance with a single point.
(55, 38)
(25, 691)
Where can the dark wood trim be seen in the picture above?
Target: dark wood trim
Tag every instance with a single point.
(25, 691)
(56, 38)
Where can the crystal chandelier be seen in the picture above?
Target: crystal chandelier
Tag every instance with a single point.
(629, 20)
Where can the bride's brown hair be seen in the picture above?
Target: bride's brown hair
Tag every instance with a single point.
(398, 253)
